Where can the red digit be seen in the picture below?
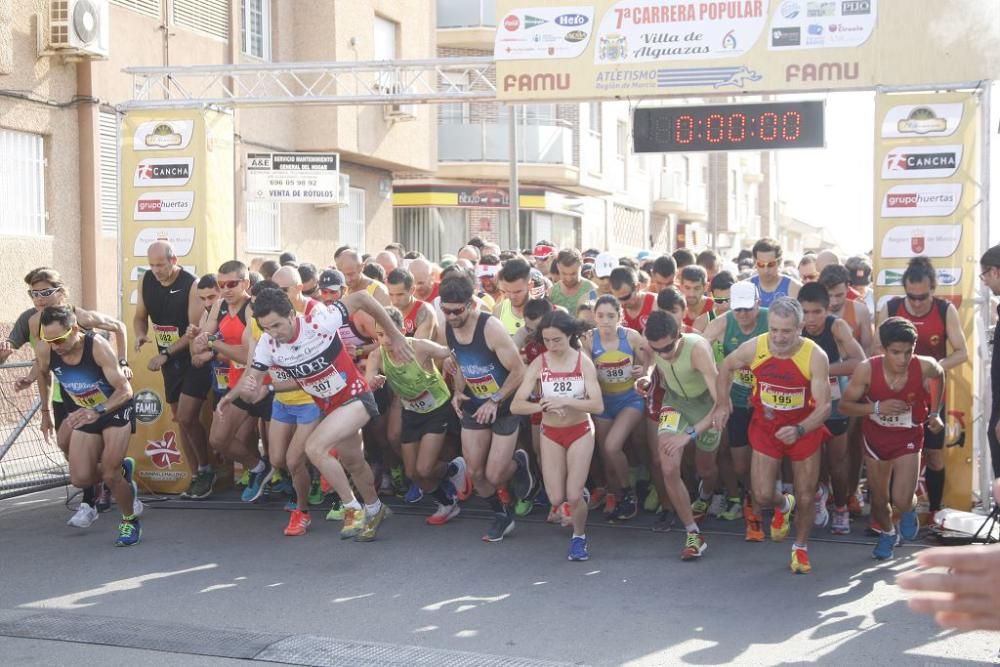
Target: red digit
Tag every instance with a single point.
(736, 128)
(791, 126)
(716, 128)
(684, 129)
(768, 126)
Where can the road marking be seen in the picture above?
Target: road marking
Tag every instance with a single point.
(72, 601)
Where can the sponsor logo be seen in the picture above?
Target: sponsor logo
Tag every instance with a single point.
(922, 162)
(511, 23)
(571, 20)
(855, 7)
(729, 41)
(822, 72)
(842, 28)
(815, 29)
(536, 82)
(948, 277)
(533, 21)
(575, 36)
(163, 135)
(814, 9)
(786, 36)
(164, 206)
(921, 201)
(905, 241)
(163, 171)
(181, 238)
(163, 453)
(790, 10)
(922, 119)
(148, 406)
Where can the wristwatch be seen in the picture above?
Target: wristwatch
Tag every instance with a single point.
(800, 430)
(123, 363)
(691, 432)
(496, 398)
(100, 409)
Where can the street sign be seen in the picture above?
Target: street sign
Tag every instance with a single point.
(294, 178)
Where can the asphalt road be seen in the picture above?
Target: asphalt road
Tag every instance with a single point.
(216, 581)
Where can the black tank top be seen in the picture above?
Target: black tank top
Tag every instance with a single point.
(484, 372)
(84, 381)
(167, 306)
(825, 339)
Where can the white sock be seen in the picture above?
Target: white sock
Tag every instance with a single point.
(692, 528)
(582, 537)
(352, 504)
(205, 468)
(259, 467)
(372, 510)
(786, 506)
(801, 547)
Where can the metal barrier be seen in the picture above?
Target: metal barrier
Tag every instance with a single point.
(27, 462)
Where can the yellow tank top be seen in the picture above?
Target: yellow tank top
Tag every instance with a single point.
(510, 321)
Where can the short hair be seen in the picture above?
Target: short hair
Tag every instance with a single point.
(897, 330)
(43, 274)
(374, 271)
(400, 277)
(254, 277)
(664, 266)
(564, 322)
(64, 315)
(661, 325)
(722, 280)
(920, 269)
(647, 266)
(286, 258)
(766, 245)
(234, 266)
(785, 306)
(515, 269)
(991, 257)
(707, 259)
(608, 300)
(670, 299)
(395, 315)
(807, 258)
(269, 268)
(569, 257)
(208, 281)
(456, 270)
(413, 254)
(536, 308)
(694, 274)
(507, 255)
(814, 293)
(489, 260)
(342, 249)
(272, 301)
(683, 257)
(623, 276)
(629, 263)
(307, 272)
(455, 289)
(833, 275)
(395, 247)
(262, 285)
(476, 243)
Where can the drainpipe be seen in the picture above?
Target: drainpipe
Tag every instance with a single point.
(89, 172)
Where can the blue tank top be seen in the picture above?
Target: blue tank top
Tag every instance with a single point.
(83, 382)
(481, 367)
(767, 297)
(614, 368)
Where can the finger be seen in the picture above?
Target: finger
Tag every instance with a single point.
(965, 622)
(964, 584)
(931, 604)
(970, 559)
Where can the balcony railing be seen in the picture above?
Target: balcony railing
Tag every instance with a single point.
(466, 13)
(489, 142)
(690, 195)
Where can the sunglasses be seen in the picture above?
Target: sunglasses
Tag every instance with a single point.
(58, 340)
(721, 301)
(310, 291)
(627, 297)
(666, 349)
(768, 265)
(453, 311)
(918, 297)
(228, 284)
(986, 272)
(42, 293)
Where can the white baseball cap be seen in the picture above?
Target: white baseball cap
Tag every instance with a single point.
(605, 264)
(743, 295)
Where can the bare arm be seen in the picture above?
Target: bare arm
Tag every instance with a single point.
(851, 402)
(398, 347)
(741, 357)
(498, 341)
(426, 323)
(430, 349)
(521, 405)
(819, 385)
(864, 320)
(956, 338)
(851, 353)
(140, 321)
(106, 359)
(89, 319)
(703, 361)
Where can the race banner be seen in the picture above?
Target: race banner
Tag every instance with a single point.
(176, 185)
(927, 197)
(553, 49)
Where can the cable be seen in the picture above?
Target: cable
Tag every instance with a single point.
(27, 96)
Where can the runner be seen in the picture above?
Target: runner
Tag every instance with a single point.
(487, 272)
(663, 273)
(808, 273)
(426, 415)
(720, 287)
(791, 402)
(636, 305)
(571, 290)
(514, 283)
(687, 369)
(100, 411)
(693, 282)
(604, 264)
(899, 393)
(768, 279)
(418, 317)
(620, 356)
(569, 392)
(491, 370)
(168, 298)
(938, 327)
(425, 288)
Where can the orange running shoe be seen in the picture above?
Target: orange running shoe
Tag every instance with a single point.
(854, 505)
(325, 486)
(610, 504)
(800, 562)
(298, 521)
(694, 546)
(755, 532)
(597, 497)
(782, 521)
(504, 495)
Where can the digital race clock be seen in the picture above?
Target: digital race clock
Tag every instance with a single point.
(728, 127)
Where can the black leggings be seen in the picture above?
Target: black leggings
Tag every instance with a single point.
(992, 435)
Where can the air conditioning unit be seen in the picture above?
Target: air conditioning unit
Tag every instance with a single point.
(396, 112)
(79, 28)
(343, 196)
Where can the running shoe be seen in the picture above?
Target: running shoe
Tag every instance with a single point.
(873, 529)
(315, 493)
(297, 523)
(280, 483)
(909, 525)
(503, 524)
(443, 514)
(755, 531)
(291, 505)
(855, 504)
(129, 532)
(565, 516)
(128, 472)
(503, 495)
(822, 514)
(337, 512)
(258, 481)
(542, 499)
(782, 521)
(800, 562)
(883, 548)
(718, 505)
(354, 523)
(372, 523)
(652, 500)
(460, 479)
(694, 546)
(597, 496)
(578, 549)
(244, 479)
(201, 486)
(103, 494)
(414, 494)
(610, 505)
(733, 511)
(385, 487)
(523, 481)
(841, 521)
(627, 509)
(325, 486)
(555, 515)
(700, 509)
(664, 521)
(523, 507)
(747, 506)
(398, 480)
(83, 518)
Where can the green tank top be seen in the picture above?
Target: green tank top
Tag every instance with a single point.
(733, 338)
(681, 377)
(418, 390)
(510, 321)
(587, 292)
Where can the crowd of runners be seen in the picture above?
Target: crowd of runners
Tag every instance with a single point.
(553, 380)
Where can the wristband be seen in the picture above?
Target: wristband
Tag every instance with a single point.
(800, 429)
(877, 413)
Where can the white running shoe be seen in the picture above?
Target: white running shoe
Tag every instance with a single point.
(137, 507)
(822, 515)
(443, 514)
(718, 505)
(84, 516)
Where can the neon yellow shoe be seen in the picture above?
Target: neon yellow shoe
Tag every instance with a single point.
(372, 523)
(782, 521)
(336, 512)
(244, 479)
(354, 523)
(800, 562)
(652, 500)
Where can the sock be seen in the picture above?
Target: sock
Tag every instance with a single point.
(800, 547)
(692, 528)
(786, 506)
(842, 508)
(372, 510)
(891, 531)
(702, 496)
(352, 504)
(259, 467)
(130, 517)
(89, 495)
(582, 537)
(935, 487)
(441, 496)
(205, 468)
(496, 505)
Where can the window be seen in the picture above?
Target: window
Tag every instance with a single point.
(385, 39)
(594, 115)
(207, 16)
(263, 226)
(352, 220)
(256, 28)
(108, 147)
(621, 150)
(22, 184)
(147, 7)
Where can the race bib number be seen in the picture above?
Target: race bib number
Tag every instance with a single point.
(782, 398)
(835, 389)
(670, 420)
(483, 386)
(423, 403)
(571, 388)
(89, 399)
(222, 378)
(324, 386)
(615, 374)
(904, 420)
(165, 336)
(743, 377)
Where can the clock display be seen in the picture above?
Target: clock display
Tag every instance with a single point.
(729, 127)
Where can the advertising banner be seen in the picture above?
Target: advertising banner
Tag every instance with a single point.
(294, 178)
(931, 140)
(181, 191)
(551, 49)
